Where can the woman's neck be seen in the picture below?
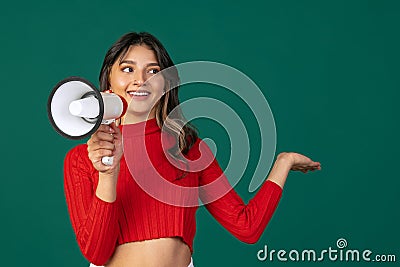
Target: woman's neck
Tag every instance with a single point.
(133, 118)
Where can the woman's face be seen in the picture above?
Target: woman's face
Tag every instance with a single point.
(129, 78)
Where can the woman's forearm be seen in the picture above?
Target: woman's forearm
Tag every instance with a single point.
(107, 187)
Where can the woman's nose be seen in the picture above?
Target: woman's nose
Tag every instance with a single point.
(138, 78)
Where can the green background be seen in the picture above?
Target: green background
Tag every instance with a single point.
(329, 69)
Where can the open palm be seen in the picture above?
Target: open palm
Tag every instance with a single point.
(302, 163)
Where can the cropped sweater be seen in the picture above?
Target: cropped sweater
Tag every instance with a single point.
(141, 213)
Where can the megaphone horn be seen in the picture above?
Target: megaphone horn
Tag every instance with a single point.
(76, 109)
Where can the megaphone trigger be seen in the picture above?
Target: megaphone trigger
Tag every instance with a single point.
(108, 161)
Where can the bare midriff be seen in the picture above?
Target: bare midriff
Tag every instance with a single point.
(162, 252)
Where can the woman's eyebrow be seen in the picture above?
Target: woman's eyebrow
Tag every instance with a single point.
(127, 62)
(152, 64)
(134, 63)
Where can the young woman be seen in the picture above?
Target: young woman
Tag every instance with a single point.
(116, 222)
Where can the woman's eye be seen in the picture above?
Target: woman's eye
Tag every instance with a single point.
(127, 69)
(153, 71)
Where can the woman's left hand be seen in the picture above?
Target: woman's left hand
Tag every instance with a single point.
(300, 162)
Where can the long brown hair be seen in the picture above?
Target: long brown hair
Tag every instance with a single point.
(182, 130)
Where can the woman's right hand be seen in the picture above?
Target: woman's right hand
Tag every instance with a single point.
(106, 141)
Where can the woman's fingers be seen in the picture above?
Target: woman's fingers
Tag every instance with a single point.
(115, 130)
(104, 132)
(100, 153)
(303, 163)
(305, 168)
(103, 143)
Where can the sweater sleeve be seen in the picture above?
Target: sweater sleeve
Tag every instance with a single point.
(245, 222)
(94, 221)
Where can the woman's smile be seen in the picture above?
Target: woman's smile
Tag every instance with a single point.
(139, 94)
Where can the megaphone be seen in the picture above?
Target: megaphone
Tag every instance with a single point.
(76, 109)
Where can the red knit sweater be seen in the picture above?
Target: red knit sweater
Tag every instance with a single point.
(135, 215)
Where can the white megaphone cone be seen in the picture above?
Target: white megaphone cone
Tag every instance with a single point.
(76, 109)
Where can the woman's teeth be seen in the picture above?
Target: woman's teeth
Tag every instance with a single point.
(139, 93)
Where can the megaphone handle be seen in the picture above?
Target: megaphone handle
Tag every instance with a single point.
(108, 161)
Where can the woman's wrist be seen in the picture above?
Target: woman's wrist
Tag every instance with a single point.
(280, 169)
(107, 186)
(285, 157)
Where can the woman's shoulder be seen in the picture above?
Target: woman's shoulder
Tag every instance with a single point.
(77, 163)
(200, 148)
(78, 152)
(194, 148)
(79, 149)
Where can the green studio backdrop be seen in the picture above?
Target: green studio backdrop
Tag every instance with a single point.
(330, 73)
